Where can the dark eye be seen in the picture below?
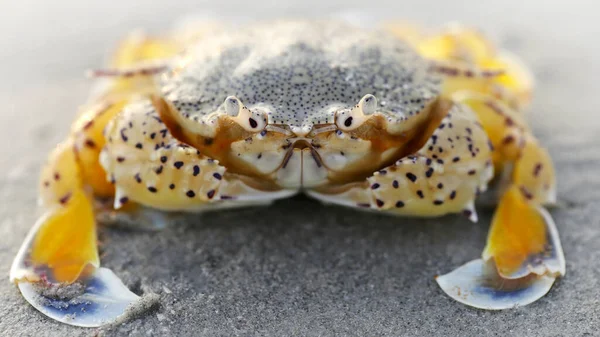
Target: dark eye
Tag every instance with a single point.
(348, 122)
(252, 122)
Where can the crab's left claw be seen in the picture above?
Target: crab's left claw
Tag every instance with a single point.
(522, 259)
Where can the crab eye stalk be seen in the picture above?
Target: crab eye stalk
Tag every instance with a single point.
(232, 106)
(368, 104)
(253, 121)
(350, 119)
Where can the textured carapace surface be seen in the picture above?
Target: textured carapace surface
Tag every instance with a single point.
(300, 73)
(304, 104)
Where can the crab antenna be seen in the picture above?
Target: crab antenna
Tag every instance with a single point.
(465, 71)
(127, 72)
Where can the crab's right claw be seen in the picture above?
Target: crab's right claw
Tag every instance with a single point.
(521, 261)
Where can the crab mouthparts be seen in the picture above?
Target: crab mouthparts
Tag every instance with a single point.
(302, 166)
(302, 144)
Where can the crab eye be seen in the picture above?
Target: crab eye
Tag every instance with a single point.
(252, 122)
(348, 122)
(350, 119)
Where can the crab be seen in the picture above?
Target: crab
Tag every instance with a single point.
(397, 119)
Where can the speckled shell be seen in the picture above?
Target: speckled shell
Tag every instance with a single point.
(300, 73)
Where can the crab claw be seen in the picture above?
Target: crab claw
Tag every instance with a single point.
(95, 301)
(478, 284)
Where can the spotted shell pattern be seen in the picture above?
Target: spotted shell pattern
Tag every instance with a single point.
(147, 156)
(300, 74)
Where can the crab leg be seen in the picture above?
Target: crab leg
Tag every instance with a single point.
(446, 174)
(464, 48)
(57, 268)
(144, 70)
(66, 202)
(523, 255)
